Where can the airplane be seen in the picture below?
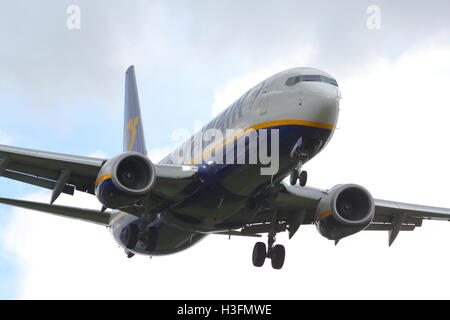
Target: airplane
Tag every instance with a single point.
(159, 209)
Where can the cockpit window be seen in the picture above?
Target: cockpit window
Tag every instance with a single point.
(292, 81)
(330, 81)
(307, 77)
(311, 78)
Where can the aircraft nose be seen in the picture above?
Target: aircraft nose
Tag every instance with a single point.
(323, 104)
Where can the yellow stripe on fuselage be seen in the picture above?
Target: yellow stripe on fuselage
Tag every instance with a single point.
(103, 178)
(117, 217)
(263, 125)
(306, 123)
(324, 214)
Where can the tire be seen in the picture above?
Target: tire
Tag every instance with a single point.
(130, 236)
(303, 178)
(277, 256)
(259, 254)
(293, 177)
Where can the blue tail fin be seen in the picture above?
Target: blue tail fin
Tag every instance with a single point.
(133, 139)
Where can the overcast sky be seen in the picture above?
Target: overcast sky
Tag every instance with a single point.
(61, 90)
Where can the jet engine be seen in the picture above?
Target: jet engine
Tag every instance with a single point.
(124, 180)
(343, 211)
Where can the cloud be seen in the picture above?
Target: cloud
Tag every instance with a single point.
(377, 146)
(64, 259)
(5, 138)
(98, 154)
(157, 154)
(54, 67)
(231, 90)
(392, 138)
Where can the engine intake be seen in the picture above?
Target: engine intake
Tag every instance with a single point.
(134, 174)
(125, 180)
(344, 210)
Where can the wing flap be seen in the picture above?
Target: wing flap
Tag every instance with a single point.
(88, 215)
(44, 183)
(389, 208)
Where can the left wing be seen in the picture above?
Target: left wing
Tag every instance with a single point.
(293, 206)
(88, 215)
(48, 169)
(64, 173)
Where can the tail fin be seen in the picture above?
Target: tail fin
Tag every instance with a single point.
(133, 139)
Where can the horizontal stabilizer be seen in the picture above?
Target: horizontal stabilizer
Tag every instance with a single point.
(88, 215)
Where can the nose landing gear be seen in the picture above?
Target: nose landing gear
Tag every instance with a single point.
(302, 177)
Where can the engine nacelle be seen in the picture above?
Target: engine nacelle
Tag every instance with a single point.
(343, 211)
(124, 180)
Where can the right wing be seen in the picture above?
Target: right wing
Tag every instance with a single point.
(398, 216)
(295, 206)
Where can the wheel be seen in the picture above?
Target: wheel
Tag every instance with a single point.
(130, 236)
(303, 178)
(259, 254)
(277, 256)
(293, 177)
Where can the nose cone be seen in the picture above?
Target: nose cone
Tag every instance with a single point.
(322, 102)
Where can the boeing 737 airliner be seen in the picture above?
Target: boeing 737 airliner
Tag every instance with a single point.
(226, 179)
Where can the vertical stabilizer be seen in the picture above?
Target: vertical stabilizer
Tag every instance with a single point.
(133, 138)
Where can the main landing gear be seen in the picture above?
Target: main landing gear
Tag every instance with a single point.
(302, 177)
(275, 253)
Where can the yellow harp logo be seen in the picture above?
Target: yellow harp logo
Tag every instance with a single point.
(132, 123)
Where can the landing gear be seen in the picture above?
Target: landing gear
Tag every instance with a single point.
(277, 256)
(293, 177)
(275, 253)
(259, 254)
(302, 178)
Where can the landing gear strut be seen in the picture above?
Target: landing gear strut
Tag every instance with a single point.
(275, 253)
(302, 177)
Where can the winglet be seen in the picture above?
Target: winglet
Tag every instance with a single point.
(133, 139)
